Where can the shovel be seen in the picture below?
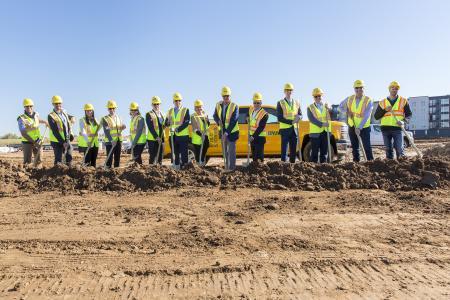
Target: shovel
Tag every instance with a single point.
(39, 147)
(173, 151)
(223, 149)
(361, 145)
(419, 153)
(328, 136)
(201, 162)
(246, 164)
(156, 160)
(109, 156)
(299, 148)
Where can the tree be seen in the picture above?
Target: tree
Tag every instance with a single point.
(10, 136)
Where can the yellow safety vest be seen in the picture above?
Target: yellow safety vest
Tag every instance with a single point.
(398, 110)
(92, 133)
(31, 127)
(199, 122)
(133, 128)
(177, 120)
(60, 126)
(289, 112)
(358, 112)
(320, 116)
(115, 125)
(154, 118)
(254, 120)
(230, 109)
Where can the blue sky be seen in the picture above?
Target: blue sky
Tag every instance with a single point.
(92, 51)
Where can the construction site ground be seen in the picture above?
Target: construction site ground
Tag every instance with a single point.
(271, 231)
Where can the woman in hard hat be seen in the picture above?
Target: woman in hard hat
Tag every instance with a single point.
(138, 134)
(113, 127)
(61, 134)
(88, 137)
(31, 136)
(200, 132)
(155, 137)
(258, 119)
(318, 115)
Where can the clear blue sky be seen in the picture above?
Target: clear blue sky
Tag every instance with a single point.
(91, 51)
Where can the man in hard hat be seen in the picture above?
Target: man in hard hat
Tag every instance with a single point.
(155, 137)
(138, 133)
(200, 131)
(178, 120)
(226, 116)
(88, 137)
(258, 119)
(358, 108)
(60, 132)
(288, 114)
(31, 136)
(394, 111)
(113, 127)
(319, 124)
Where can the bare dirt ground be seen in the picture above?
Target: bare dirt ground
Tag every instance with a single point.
(227, 236)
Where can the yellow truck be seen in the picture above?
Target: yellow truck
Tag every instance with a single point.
(339, 137)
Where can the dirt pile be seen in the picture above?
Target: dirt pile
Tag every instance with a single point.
(406, 174)
(442, 150)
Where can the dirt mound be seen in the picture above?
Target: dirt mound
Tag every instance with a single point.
(442, 150)
(392, 175)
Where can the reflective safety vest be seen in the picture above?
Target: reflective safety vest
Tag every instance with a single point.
(133, 130)
(358, 112)
(92, 134)
(398, 110)
(177, 119)
(199, 122)
(320, 116)
(31, 127)
(60, 126)
(289, 112)
(230, 109)
(255, 119)
(115, 128)
(154, 118)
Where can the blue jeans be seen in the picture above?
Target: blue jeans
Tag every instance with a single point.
(288, 138)
(393, 139)
(180, 149)
(365, 138)
(319, 143)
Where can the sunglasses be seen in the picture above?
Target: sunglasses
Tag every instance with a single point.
(177, 101)
(256, 102)
(28, 106)
(317, 97)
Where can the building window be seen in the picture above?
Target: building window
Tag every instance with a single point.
(445, 101)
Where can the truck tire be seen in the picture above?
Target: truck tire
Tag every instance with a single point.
(307, 152)
(191, 154)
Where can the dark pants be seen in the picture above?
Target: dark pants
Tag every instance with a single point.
(58, 151)
(365, 138)
(91, 157)
(137, 153)
(115, 155)
(393, 139)
(257, 146)
(319, 143)
(205, 149)
(288, 137)
(180, 149)
(153, 151)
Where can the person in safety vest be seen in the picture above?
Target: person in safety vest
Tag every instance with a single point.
(155, 137)
(60, 132)
(88, 137)
(137, 132)
(113, 127)
(258, 119)
(200, 131)
(226, 115)
(394, 111)
(288, 114)
(319, 124)
(31, 136)
(358, 108)
(178, 120)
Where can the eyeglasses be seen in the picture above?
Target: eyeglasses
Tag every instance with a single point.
(177, 101)
(28, 106)
(256, 102)
(315, 97)
(358, 88)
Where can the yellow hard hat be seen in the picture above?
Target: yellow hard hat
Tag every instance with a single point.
(317, 92)
(288, 86)
(257, 97)
(28, 102)
(134, 106)
(358, 84)
(177, 97)
(198, 102)
(111, 104)
(156, 100)
(57, 99)
(226, 91)
(88, 107)
(394, 83)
